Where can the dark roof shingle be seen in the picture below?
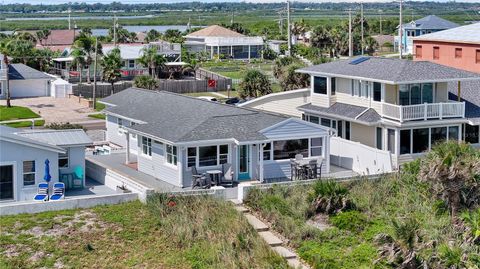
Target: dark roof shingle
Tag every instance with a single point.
(21, 71)
(470, 93)
(360, 113)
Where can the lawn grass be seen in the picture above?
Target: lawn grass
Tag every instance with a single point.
(350, 242)
(16, 113)
(237, 69)
(25, 124)
(99, 106)
(99, 116)
(168, 232)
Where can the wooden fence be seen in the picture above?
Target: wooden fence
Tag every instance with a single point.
(103, 90)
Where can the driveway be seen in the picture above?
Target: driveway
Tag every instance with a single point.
(56, 109)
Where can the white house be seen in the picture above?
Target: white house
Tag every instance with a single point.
(171, 133)
(23, 155)
(24, 81)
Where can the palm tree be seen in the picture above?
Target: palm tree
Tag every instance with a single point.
(145, 82)
(152, 35)
(292, 80)
(152, 60)
(299, 28)
(255, 84)
(321, 38)
(370, 45)
(4, 49)
(111, 66)
(78, 61)
(451, 167)
(42, 35)
(20, 49)
(87, 45)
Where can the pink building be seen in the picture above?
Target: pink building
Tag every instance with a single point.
(457, 47)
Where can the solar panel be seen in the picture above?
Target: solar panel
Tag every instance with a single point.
(359, 60)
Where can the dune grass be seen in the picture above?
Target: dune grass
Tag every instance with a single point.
(168, 232)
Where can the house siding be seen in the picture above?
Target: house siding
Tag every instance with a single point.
(363, 134)
(156, 165)
(119, 138)
(76, 157)
(29, 88)
(19, 153)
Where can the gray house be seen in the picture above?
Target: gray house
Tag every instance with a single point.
(168, 134)
(23, 154)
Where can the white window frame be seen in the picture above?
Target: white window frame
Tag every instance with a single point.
(430, 136)
(174, 156)
(197, 157)
(271, 160)
(146, 147)
(310, 147)
(29, 173)
(67, 154)
(121, 129)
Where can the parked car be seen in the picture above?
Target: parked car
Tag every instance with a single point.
(208, 98)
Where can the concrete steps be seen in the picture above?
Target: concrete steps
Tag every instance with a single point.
(271, 239)
(257, 224)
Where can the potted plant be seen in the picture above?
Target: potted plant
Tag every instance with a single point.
(123, 189)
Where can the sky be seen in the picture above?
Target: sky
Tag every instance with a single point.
(173, 1)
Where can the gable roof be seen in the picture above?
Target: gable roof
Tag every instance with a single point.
(180, 119)
(351, 112)
(215, 31)
(463, 34)
(21, 71)
(70, 137)
(390, 71)
(59, 37)
(430, 22)
(10, 135)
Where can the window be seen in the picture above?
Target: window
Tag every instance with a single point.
(471, 133)
(320, 85)
(287, 149)
(120, 125)
(347, 130)
(28, 173)
(63, 160)
(131, 63)
(436, 53)
(267, 151)
(477, 57)
(316, 145)
(340, 128)
(377, 91)
(191, 157)
(326, 122)
(420, 143)
(314, 119)
(334, 86)
(146, 146)
(453, 133)
(458, 53)
(365, 89)
(379, 138)
(413, 94)
(438, 135)
(207, 156)
(223, 154)
(405, 141)
(427, 93)
(418, 51)
(171, 154)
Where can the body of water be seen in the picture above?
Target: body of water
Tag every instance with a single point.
(77, 18)
(134, 28)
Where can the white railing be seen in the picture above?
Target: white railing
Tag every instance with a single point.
(3, 74)
(424, 111)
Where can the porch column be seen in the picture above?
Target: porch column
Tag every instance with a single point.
(459, 91)
(211, 52)
(261, 177)
(127, 156)
(249, 52)
(231, 51)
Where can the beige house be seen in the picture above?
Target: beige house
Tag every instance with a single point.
(390, 104)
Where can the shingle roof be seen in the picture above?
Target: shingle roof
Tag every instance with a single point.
(430, 22)
(470, 93)
(10, 134)
(463, 34)
(21, 71)
(215, 31)
(71, 137)
(391, 71)
(179, 118)
(59, 37)
(360, 113)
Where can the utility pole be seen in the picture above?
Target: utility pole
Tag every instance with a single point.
(350, 38)
(381, 32)
(114, 30)
(289, 34)
(361, 15)
(69, 19)
(95, 75)
(400, 29)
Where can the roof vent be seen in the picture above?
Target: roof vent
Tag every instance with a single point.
(359, 60)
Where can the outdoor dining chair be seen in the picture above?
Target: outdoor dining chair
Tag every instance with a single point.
(298, 157)
(199, 180)
(58, 191)
(312, 169)
(227, 174)
(42, 192)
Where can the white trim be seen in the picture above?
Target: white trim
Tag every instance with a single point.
(34, 144)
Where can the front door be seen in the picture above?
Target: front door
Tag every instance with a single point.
(243, 162)
(6, 182)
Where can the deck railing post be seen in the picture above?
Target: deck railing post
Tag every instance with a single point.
(401, 113)
(440, 111)
(425, 107)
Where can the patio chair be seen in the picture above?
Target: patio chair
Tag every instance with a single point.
(298, 157)
(227, 174)
(42, 192)
(58, 191)
(293, 169)
(78, 178)
(312, 169)
(199, 180)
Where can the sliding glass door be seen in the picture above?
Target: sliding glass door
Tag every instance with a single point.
(415, 94)
(6, 182)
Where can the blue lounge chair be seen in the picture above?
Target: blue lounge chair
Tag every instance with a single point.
(58, 191)
(42, 192)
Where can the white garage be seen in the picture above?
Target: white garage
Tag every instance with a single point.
(27, 82)
(60, 88)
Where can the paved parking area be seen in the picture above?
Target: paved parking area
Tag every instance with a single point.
(56, 109)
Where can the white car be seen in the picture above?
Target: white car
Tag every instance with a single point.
(208, 98)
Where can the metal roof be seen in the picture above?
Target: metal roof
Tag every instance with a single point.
(21, 72)
(391, 71)
(179, 119)
(69, 137)
(11, 135)
(430, 22)
(463, 34)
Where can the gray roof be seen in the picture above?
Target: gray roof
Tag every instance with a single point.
(70, 137)
(359, 113)
(391, 71)
(430, 22)
(10, 134)
(470, 93)
(179, 118)
(21, 71)
(463, 34)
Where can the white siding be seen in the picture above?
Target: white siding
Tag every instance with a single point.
(297, 128)
(29, 88)
(16, 154)
(76, 157)
(119, 138)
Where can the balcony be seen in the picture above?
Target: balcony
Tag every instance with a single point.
(424, 111)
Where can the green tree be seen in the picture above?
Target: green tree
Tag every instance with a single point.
(145, 82)
(111, 65)
(453, 169)
(255, 84)
(42, 35)
(5, 47)
(86, 44)
(152, 35)
(292, 80)
(370, 45)
(152, 60)
(78, 56)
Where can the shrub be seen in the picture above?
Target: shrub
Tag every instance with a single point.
(63, 126)
(326, 188)
(353, 221)
(451, 257)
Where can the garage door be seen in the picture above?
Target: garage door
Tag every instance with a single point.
(28, 88)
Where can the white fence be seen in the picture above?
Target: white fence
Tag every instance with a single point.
(362, 159)
(424, 111)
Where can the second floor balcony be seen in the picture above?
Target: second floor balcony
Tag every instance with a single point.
(424, 111)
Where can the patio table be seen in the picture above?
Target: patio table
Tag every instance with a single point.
(215, 176)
